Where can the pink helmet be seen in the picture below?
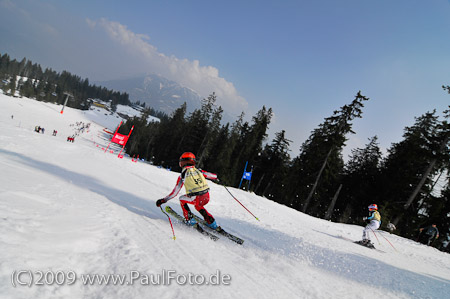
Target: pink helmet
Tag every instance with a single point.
(373, 207)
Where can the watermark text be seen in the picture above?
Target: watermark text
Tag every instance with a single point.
(29, 278)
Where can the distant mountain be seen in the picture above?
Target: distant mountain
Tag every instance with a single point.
(156, 92)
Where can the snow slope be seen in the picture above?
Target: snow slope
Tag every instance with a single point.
(72, 209)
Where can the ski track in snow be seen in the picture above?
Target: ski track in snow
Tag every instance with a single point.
(72, 207)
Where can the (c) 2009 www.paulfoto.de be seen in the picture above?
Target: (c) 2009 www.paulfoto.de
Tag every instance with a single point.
(20, 278)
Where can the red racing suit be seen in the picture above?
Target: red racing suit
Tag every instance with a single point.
(197, 191)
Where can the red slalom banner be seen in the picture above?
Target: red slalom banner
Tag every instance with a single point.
(120, 154)
(119, 139)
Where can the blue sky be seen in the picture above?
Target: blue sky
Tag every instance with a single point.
(304, 59)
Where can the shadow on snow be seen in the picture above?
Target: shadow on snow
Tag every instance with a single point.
(361, 269)
(127, 200)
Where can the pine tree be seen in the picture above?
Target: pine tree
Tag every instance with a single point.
(169, 135)
(438, 213)
(215, 116)
(314, 176)
(360, 183)
(226, 150)
(409, 168)
(250, 141)
(196, 127)
(12, 86)
(271, 169)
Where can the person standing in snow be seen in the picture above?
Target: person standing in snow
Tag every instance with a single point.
(197, 190)
(374, 220)
(428, 234)
(391, 227)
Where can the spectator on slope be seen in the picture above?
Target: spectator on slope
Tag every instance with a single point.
(391, 227)
(197, 190)
(428, 234)
(374, 220)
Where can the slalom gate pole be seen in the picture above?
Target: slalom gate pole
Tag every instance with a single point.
(240, 203)
(389, 242)
(375, 235)
(170, 221)
(113, 136)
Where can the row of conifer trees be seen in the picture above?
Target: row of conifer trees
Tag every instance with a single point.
(28, 79)
(317, 181)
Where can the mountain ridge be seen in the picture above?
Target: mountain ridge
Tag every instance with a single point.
(156, 91)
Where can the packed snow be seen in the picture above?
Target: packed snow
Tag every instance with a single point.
(69, 210)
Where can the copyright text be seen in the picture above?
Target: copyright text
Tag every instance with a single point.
(29, 278)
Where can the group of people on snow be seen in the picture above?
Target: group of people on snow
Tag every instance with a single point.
(197, 194)
(39, 129)
(427, 234)
(80, 128)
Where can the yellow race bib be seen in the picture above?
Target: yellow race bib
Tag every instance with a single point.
(194, 181)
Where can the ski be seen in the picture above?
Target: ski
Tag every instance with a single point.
(368, 245)
(197, 227)
(220, 231)
(371, 246)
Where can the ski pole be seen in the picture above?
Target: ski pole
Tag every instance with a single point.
(240, 203)
(388, 242)
(170, 221)
(375, 235)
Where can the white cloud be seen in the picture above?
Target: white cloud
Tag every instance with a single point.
(203, 79)
(7, 4)
(26, 15)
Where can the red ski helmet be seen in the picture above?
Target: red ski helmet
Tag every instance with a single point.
(187, 158)
(373, 207)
